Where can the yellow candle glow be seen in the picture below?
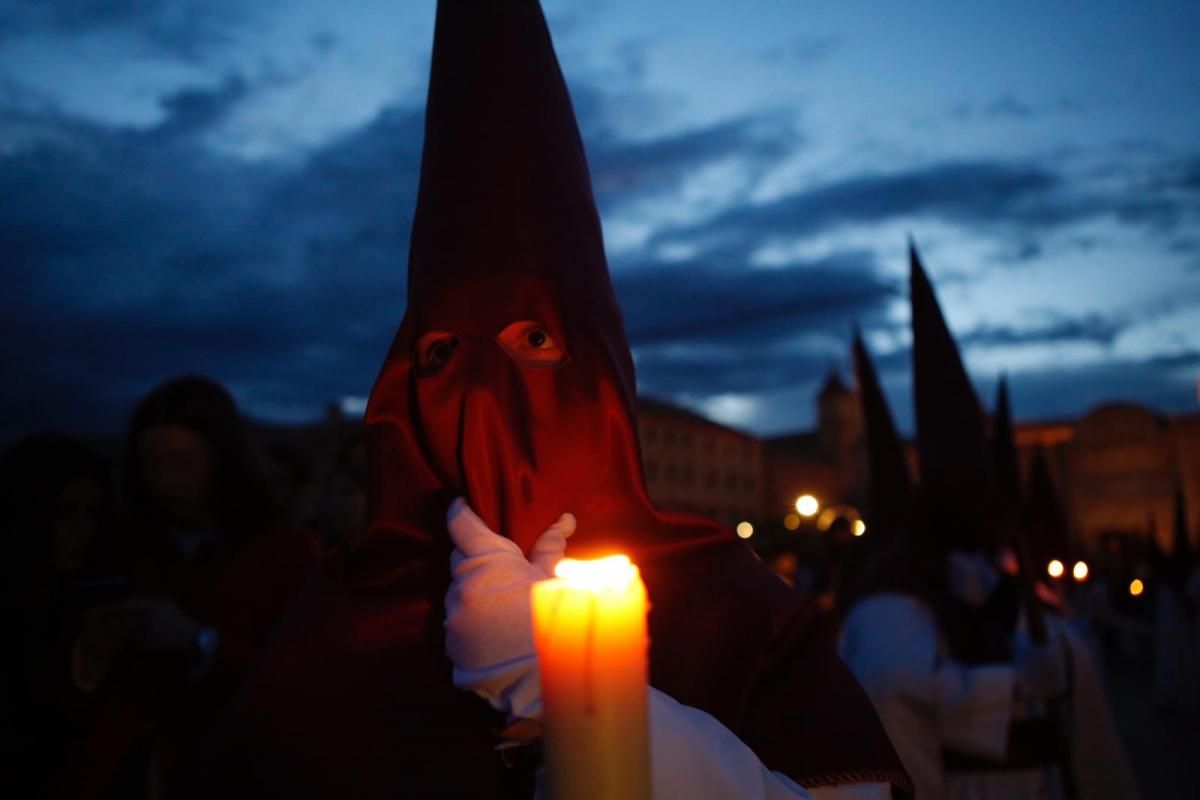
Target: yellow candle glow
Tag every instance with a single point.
(589, 628)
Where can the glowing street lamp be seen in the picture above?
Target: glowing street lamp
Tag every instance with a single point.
(1080, 571)
(1055, 568)
(745, 530)
(807, 505)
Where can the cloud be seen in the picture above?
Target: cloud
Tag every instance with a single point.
(1152, 381)
(997, 198)
(978, 192)
(624, 171)
(1093, 328)
(139, 253)
(1009, 106)
(804, 50)
(738, 304)
(135, 255)
(184, 28)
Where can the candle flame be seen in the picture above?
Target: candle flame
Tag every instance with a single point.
(1136, 587)
(613, 572)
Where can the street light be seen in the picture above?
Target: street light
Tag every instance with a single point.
(807, 505)
(1080, 571)
(1055, 568)
(745, 530)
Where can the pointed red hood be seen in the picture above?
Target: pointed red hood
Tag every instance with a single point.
(506, 245)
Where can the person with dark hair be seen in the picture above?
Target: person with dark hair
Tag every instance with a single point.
(56, 515)
(210, 572)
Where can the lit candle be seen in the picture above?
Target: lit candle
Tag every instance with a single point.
(590, 631)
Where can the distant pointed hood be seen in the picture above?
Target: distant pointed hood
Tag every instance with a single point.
(1048, 528)
(1183, 554)
(1006, 469)
(1181, 543)
(951, 434)
(889, 485)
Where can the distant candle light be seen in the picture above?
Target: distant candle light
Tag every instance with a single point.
(807, 505)
(1080, 571)
(860, 527)
(1055, 568)
(745, 530)
(791, 521)
(1136, 587)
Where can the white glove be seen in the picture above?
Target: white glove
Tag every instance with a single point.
(489, 624)
(1041, 671)
(972, 578)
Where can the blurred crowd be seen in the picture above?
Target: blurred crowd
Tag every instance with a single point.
(1137, 604)
(140, 589)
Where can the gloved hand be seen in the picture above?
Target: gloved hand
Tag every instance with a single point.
(971, 578)
(1041, 671)
(489, 624)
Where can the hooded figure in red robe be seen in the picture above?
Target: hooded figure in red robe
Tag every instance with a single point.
(510, 382)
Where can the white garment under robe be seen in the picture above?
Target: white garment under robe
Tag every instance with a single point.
(694, 756)
(927, 702)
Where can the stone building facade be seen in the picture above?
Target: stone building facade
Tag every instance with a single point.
(694, 464)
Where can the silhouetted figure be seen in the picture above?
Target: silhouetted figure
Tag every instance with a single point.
(55, 514)
(210, 571)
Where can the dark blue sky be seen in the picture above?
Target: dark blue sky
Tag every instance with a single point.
(227, 187)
